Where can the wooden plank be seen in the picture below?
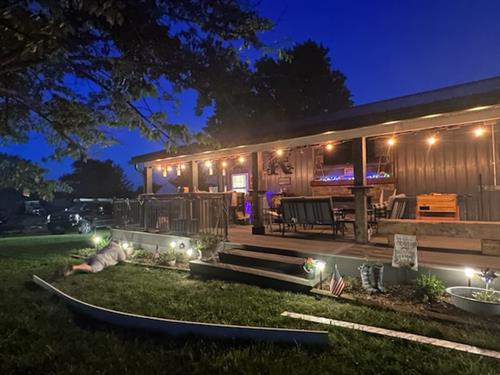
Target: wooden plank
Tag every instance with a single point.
(183, 328)
(396, 334)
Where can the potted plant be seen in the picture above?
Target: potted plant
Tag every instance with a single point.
(309, 267)
(481, 301)
(167, 258)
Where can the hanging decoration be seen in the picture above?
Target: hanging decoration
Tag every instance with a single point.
(278, 160)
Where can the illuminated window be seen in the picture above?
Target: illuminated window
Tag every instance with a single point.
(239, 182)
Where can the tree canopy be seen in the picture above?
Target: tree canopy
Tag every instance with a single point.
(72, 69)
(97, 179)
(300, 83)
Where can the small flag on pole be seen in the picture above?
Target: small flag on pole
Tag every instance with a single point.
(337, 284)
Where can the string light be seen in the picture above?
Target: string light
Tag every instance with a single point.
(241, 159)
(183, 166)
(479, 131)
(391, 141)
(279, 152)
(431, 140)
(224, 164)
(329, 147)
(169, 169)
(158, 167)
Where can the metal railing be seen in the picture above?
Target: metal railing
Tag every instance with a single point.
(181, 214)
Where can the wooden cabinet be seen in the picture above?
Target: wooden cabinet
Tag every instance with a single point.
(437, 206)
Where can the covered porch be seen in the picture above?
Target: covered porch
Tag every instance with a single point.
(435, 154)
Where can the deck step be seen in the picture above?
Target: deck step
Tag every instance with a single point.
(254, 276)
(270, 250)
(274, 262)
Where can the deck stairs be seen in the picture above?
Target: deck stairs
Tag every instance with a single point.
(267, 267)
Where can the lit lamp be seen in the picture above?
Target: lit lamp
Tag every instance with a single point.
(173, 244)
(169, 169)
(431, 141)
(320, 266)
(208, 164)
(124, 245)
(241, 159)
(96, 240)
(279, 152)
(391, 142)
(469, 272)
(329, 147)
(224, 165)
(158, 167)
(479, 131)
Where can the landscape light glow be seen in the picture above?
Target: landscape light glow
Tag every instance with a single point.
(469, 272)
(320, 265)
(189, 252)
(173, 244)
(96, 239)
(125, 245)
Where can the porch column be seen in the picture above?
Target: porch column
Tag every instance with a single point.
(148, 179)
(359, 189)
(257, 209)
(194, 176)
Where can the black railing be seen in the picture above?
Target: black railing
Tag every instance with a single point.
(181, 214)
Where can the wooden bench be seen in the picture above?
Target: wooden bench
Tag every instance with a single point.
(488, 232)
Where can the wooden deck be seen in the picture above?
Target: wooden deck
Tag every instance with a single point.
(442, 251)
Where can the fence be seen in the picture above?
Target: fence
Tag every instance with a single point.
(181, 214)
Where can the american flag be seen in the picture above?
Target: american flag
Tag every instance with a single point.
(337, 284)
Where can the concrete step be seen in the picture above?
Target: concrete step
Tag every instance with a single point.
(250, 275)
(274, 262)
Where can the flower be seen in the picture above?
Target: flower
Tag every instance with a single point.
(309, 264)
(488, 275)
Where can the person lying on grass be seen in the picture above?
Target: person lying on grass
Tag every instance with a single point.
(109, 255)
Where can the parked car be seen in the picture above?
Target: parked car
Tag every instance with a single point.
(82, 217)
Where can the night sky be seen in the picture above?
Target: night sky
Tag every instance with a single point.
(385, 48)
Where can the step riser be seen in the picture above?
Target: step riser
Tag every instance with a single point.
(232, 275)
(291, 269)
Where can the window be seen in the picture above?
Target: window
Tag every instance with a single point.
(239, 182)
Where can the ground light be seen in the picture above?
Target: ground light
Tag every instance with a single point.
(96, 240)
(320, 266)
(173, 244)
(125, 245)
(469, 272)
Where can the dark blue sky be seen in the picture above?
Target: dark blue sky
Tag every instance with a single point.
(385, 48)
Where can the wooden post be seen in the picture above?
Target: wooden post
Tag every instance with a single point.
(193, 187)
(148, 180)
(257, 209)
(359, 189)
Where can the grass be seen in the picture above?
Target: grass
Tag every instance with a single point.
(40, 335)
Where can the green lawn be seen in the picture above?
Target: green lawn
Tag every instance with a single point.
(40, 335)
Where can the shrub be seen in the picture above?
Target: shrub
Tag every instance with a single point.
(207, 245)
(428, 288)
(486, 296)
(165, 257)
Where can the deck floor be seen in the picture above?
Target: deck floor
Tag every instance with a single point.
(451, 252)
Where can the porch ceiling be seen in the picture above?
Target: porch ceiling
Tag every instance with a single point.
(438, 120)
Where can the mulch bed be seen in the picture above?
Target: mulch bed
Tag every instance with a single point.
(400, 298)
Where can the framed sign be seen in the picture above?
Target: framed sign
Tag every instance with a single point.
(284, 181)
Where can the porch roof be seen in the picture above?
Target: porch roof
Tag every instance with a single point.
(454, 105)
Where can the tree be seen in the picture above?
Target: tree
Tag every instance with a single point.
(300, 83)
(72, 69)
(97, 179)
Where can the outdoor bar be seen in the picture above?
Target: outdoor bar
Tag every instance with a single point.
(428, 157)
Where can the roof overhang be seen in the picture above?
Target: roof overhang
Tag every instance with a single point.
(471, 115)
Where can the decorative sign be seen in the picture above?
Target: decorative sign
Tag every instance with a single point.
(284, 181)
(404, 254)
